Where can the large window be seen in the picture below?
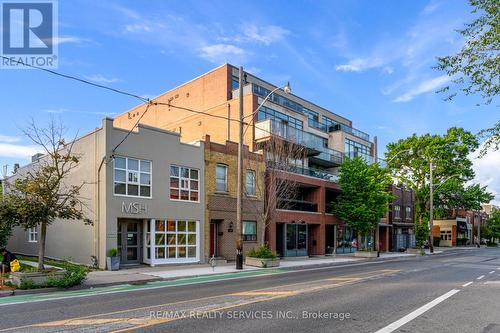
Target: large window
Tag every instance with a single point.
(397, 211)
(250, 182)
(132, 177)
(33, 235)
(268, 113)
(221, 178)
(249, 232)
(184, 183)
(175, 239)
(356, 149)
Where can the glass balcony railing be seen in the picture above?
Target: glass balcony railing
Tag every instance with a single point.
(331, 155)
(350, 130)
(367, 158)
(297, 205)
(311, 172)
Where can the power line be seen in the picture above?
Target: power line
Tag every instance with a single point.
(67, 76)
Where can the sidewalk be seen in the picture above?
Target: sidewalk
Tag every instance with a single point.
(143, 274)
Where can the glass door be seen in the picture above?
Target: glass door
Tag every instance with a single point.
(296, 240)
(129, 235)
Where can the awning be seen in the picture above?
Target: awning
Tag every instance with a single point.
(461, 226)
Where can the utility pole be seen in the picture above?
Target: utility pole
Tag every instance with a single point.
(431, 222)
(4, 177)
(239, 190)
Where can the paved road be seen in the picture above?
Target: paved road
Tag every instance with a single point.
(451, 292)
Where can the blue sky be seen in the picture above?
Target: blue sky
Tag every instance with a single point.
(370, 61)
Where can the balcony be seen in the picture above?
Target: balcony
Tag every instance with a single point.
(350, 130)
(328, 158)
(266, 129)
(350, 155)
(319, 154)
(297, 205)
(311, 172)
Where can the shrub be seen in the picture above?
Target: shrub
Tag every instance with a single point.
(73, 276)
(262, 252)
(491, 244)
(112, 253)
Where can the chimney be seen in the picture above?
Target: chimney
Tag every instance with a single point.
(16, 167)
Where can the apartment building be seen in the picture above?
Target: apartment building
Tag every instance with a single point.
(145, 196)
(306, 226)
(221, 162)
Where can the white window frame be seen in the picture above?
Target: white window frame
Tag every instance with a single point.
(252, 172)
(408, 212)
(33, 235)
(397, 212)
(182, 181)
(225, 177)
(138, 183)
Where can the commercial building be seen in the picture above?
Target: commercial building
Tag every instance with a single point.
(221, 162)
(208, 105)
(144, 193)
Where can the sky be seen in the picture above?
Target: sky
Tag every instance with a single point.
(370, 61)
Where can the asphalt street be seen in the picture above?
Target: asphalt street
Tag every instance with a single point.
(457, 291)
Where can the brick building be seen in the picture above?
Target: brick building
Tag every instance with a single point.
(220, 192)
(306, 227)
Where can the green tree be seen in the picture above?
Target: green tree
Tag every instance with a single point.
(364, 199)
(409, 162)
(476, 67)
(492, 226)
(491, 137)
(454, 194)
(41, 193)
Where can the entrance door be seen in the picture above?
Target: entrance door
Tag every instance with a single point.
(213, 239)
(296, 240)
(129, 241)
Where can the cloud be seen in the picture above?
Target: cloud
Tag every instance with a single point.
(422, 88)
(264, 34)
(220, 53)
(98, 78)
(17, 151)
(362, 64)
(66, 40)
(486, 170)
(9, 139)
(138, 27)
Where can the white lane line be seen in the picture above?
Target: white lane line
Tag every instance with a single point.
(491, 272)
(409, 317)
(467, 284)
(479, 278)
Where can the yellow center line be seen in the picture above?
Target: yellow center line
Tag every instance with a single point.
(274, 294)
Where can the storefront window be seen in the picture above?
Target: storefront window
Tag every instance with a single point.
(175, 239)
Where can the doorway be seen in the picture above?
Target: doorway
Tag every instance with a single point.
(129, 241)
(214, 237)
(296, 240)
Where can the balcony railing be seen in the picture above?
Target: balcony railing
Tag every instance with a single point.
(311, 172)
(350, 130)
(299, 205)
(368, 159)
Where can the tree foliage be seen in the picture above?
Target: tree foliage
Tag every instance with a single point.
(409, 162)
(492, 226)
(364, 199)
(491, 137)
(41, 193)
(476, 67)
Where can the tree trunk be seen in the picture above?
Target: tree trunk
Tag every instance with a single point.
(41, 246)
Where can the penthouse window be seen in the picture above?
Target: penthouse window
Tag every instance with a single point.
(268, 113)
(355, 149)
(184, 183)
(132, 177)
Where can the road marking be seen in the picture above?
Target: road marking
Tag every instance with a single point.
(137, 318)
(264, 293)
(409, 317)
(479, 278)
(492, 282)
(467, 284)
(492, 272)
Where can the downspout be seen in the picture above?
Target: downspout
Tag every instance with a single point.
(98, 221)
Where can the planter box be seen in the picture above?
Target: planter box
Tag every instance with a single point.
(37, 278)
(262, 262)
(366, 254)
(414, 251)
(112, 263)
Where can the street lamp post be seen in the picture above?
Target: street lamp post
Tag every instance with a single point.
(239, 189)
